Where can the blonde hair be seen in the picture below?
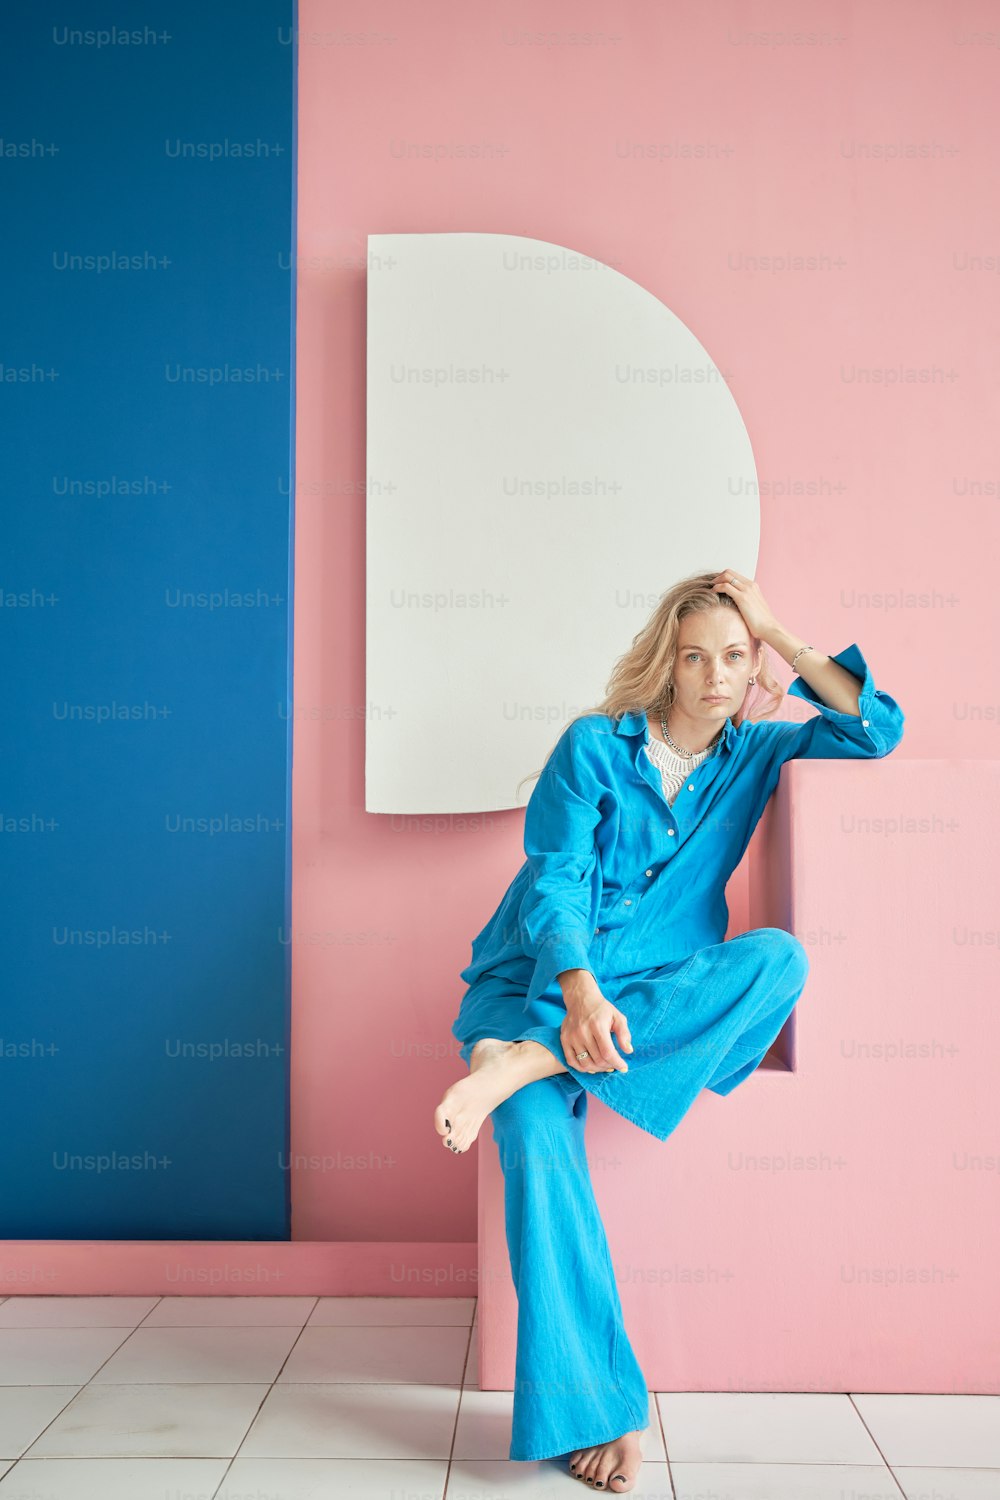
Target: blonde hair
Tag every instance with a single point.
(641, 678)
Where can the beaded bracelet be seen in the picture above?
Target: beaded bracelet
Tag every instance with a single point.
(799, 653)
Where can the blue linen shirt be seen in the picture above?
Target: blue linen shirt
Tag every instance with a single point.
(619, 881)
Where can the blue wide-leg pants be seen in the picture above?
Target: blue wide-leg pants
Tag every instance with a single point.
(703, 1021)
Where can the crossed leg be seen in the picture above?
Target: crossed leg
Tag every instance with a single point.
(710, 1021)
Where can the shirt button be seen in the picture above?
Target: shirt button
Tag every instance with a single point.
(865, 723)
(596, 931)
(670, 833)
(691, 786)
(649, 872)
(628, 903)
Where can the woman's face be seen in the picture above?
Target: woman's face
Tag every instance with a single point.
(714, 660)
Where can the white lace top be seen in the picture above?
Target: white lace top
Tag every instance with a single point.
(671, 767)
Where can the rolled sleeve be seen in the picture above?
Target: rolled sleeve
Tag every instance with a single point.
(558, 909)
(872, 732)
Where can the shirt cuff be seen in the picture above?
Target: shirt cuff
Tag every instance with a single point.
(851, 659)
(565, 950)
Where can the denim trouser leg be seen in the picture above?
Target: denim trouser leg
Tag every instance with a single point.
(577, 1382)
(703, 1021)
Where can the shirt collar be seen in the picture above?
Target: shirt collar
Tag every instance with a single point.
(636, 722)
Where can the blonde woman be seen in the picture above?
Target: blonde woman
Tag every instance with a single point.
(604, 970)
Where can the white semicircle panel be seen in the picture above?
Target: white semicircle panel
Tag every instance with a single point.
(549, 449)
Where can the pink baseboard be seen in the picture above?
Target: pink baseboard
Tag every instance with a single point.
(257, 1268)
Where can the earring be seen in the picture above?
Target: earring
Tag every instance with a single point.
(752, 681)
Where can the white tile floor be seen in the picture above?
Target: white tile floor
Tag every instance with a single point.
(284, 1398)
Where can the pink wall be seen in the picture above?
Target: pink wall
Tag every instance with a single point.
(674, 151)
(833, 1227)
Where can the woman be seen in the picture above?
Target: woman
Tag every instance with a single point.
(615, 925)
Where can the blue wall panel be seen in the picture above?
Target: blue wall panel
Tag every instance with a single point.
(146, 400)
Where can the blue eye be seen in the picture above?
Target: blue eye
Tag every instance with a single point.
(691, 655)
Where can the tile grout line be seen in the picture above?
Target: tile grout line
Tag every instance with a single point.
(263, 1398)
(663, 1437)
(878, 1449)
(83, 1387)
(461, 1392)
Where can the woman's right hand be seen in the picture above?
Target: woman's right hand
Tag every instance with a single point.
(590, 1024)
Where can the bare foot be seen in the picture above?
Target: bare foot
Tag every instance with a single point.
(498, 1069)
(611, 1466)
